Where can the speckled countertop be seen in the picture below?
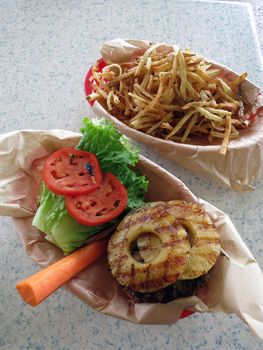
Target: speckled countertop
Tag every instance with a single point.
(46, 49)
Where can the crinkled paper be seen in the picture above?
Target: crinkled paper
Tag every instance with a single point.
(236, 284)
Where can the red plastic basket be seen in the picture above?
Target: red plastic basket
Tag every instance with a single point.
(88, 83)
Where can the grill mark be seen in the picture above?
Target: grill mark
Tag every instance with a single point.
(168, 228)
(117, 243)
(136, 221)
(207, 225)
(175, 242)
(151, 213)
(178, 260)
(118, 262)
(207, 241)
(208, 257)
(163, 213)
(146, 248)
(147, 279)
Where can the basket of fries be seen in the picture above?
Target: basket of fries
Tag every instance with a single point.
(192, 111)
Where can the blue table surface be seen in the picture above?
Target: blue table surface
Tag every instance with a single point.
(46, 50)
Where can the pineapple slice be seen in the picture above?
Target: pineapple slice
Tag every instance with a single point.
(158, 269)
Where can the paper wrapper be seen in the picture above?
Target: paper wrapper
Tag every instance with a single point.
(241, 165)
(236, 284)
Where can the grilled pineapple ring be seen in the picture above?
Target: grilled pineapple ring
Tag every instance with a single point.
(164, 268)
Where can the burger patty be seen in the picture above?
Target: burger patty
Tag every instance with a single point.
(179, 289)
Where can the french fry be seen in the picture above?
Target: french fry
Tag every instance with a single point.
(189, 127)
(236, 82)
(183, 74)
(226, 137)
(208, 114)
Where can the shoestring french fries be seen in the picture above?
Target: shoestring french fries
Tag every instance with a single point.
(173, 95)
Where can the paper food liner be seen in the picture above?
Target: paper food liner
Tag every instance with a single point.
(236, 284)
(241, 165)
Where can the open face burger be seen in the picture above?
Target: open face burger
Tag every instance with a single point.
(163, 251)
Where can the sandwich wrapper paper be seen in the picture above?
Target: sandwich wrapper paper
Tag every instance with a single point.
(241, 165)
(236, 284)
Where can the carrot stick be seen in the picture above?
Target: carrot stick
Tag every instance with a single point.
(38, 287)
